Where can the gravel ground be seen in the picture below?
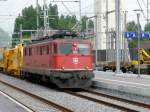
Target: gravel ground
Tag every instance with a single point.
(30, 102)
(74, 103)
(126, 77)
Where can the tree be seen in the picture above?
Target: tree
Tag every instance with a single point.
(83, 26)
(73, 21)
(147, 27)
(61, 22)
(27, 19)
(91, 24)
(53, 16)
(132, 26)
(18, 21)
(84, 20)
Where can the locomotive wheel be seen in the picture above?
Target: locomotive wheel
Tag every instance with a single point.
(104, 69)
(114, 69)
(124, 70)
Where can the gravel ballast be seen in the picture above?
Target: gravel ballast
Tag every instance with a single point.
(72, 102)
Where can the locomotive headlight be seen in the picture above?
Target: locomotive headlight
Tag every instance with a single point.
(62, 68)
(87, 67)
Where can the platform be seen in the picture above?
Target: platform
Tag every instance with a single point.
(129, 83)
(8, 105)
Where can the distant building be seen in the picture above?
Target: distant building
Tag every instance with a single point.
(100, 11)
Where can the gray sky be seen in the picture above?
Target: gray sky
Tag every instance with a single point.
(14, 7)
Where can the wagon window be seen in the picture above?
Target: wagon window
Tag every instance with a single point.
(65, 48)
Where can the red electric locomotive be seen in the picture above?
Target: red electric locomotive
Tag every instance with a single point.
(65, 62)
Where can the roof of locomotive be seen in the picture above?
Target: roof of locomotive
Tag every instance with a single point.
(61, 37)
(71, 40)
(65, 40)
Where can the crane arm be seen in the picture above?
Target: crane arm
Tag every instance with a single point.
(143, 52)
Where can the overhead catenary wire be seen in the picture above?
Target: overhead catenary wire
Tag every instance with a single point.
(144, 3)
(142, 10)
(76, 6)
(67, 8)
(3, 2)
(24, 5)
(16, 10)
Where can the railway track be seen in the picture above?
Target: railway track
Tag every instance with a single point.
(112, 101)
(41, 99)
(129, 106)
(17, 101)
(141, 104)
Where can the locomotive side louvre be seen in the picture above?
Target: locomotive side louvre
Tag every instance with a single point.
(37, 58)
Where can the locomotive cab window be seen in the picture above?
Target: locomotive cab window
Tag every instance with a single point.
(65, 48)
(83, 49)
(69, 48)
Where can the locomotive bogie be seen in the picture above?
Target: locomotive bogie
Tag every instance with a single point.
(76, 79)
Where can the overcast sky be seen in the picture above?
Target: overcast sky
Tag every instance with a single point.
(10, 9)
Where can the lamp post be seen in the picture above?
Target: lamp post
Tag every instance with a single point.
(96, 41)
(118, 34)
(138, 22)
(37, 17)
(138, 16)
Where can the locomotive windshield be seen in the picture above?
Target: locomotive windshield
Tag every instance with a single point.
(83, 48)
(65, 48)
(71, 49)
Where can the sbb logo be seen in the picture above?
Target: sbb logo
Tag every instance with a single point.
(75, 60)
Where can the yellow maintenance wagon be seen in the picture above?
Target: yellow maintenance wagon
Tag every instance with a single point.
(12, 62)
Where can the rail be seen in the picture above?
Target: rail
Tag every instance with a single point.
(110, 104)
(145, 105)
(50, 103)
